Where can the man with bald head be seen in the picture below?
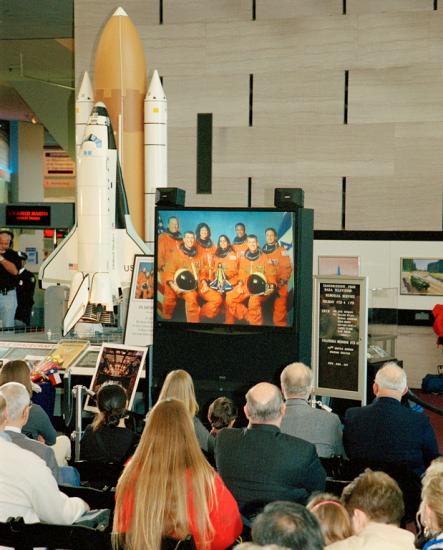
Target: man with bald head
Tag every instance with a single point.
(322, 428)
(387, 432)
(260, 464)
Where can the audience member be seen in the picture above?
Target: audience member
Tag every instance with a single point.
(431, 507)
(222, 413)
(333, 517)
(317, 426)
(375, 503)
(28, 489)
(387, 432)
(17, 412)
(260, 464)
(168, 488)
(38, 425)
(179, 384)
(107, 439)
(287, 524)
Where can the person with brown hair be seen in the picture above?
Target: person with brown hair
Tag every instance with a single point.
(222, 413)
(39, 425)
(168, 489)
(375, 503)
(179, 384)
(107, 439)
(333, 517)
(431, 507)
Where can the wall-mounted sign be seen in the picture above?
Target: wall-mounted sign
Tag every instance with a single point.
(340, 337)
(28, 215)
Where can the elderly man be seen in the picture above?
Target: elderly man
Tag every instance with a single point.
(387, 432)
(321, 428)
(18, 403)
(260, 464)
(27, 487)
(375, 503)
(288, 524)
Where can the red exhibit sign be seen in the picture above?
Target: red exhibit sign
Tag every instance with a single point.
(28, 216)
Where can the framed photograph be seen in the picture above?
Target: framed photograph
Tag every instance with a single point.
(348, 266)
(139, 319)
(421, 276)
(117, 363)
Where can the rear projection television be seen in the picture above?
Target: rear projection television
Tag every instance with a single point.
(225, 268)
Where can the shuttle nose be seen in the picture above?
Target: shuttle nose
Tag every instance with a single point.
(100, 109)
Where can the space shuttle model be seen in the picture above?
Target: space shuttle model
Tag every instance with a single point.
(95, 260)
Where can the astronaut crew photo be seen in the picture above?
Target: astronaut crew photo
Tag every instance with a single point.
(225, 267)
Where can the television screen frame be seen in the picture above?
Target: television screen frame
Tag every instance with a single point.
(164, 212)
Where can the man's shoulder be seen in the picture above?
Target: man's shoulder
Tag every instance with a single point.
(32, 445)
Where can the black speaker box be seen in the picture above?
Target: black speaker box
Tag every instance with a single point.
(170, 196)
(289, 197)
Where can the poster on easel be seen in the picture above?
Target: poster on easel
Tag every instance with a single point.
(118, 364)
(340, 337)
(139, 319)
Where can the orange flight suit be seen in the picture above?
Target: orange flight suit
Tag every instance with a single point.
(240, 248)
(167, 244)
(280, 260)
(145, 286)
(235, 300)
(180, 259)
(213, 300)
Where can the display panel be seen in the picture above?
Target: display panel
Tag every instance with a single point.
(225, 267)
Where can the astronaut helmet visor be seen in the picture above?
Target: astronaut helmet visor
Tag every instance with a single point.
(256, 283)
(185, 280)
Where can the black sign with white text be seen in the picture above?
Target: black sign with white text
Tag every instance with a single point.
(338, 335)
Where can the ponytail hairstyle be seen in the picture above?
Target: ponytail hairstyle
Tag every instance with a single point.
(111, 402)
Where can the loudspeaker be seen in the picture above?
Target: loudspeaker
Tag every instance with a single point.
(170, 196)
(288, 197)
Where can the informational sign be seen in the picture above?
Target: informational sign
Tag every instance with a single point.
(340, 337)
(139, 320)
(59, 169)
(28, 215)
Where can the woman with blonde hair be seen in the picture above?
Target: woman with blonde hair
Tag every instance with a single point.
(179, 384)
(431, 507)
(39, 425)
(169, 490)
(332, 516)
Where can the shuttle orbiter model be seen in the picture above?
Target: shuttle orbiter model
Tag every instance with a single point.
(96, 258)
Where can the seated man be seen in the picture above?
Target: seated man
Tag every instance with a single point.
(321, 428)
(289, 525)
(260, 464)
(375, 504)
(18, 405)
(387, 432)
(27, 488)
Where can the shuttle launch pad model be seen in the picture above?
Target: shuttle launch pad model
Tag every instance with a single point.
(96, 257)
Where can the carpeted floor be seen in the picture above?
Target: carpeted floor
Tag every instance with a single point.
(436, 420)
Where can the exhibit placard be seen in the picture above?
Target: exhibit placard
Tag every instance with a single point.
(139, 320)
(340, 337)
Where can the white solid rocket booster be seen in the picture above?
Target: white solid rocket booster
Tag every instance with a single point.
(156, 151)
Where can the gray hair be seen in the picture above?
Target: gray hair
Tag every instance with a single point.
(296, 379)
(262, 412)
(391, 377)
(16, 397)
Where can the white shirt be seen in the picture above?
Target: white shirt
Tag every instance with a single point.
(29, 490)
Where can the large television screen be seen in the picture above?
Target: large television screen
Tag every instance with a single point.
(225, 267)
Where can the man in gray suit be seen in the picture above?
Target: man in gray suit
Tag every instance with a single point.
(17, 412)
(317, 426)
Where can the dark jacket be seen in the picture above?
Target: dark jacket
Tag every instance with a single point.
(260, 464)
(387, 431)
